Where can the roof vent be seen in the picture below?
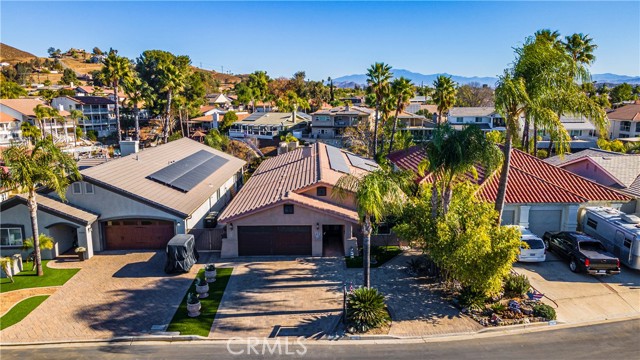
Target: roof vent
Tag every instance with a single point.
(631, 219)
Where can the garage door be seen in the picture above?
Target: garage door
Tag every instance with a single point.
(544, 220)
(137, 234)
(274, 240)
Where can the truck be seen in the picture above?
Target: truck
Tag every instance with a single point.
(618, 232)
(583, 252)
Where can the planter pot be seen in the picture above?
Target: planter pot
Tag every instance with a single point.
(81, 255)
(210, 276)
(194, 309)
(202, 291)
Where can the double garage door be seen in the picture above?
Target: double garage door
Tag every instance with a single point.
(274, 240)
(132, 234)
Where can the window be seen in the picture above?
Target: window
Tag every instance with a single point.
(77, 188)
(573, 133)
(638, 127)
(478, 119)
(288, 209)
(321, 191)
(625, 126)
(459, 119)
(627, 243)
(88, 188)
(592, 223)
(11, 236)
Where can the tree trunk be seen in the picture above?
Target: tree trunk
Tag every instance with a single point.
(375, 132)
(550, 146)
(504, 175)
(447, 195)
(33, 212)
(439, 117)
(165, 131)
(393, 131)
(525, 135)
(434, 198)
(181, 122)
(535, 139)
(366, 256)
(136, 112)
(115, 90)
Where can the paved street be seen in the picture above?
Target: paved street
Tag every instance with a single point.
(581, 297)
(116, 293)
(602, 341)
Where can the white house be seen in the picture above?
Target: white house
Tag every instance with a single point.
(99, 112)
(16, 111)
(625, 121)
(486, 118)
(268, 125)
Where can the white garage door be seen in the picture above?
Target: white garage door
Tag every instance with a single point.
(508, 217)
(544, 220)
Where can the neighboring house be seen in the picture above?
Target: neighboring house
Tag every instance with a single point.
(354, 100)
(625, 121)
(22, 110)
(419, 126)
(262, 106)
(612, 169)
(539, 196)
(139, 201)
(220, 100)
(211, 115)
(99, 112)
(486, 118)
(415, 103)
(9, 129)
(584, 134)
(269, 125)
(331, 123)
(288, 206)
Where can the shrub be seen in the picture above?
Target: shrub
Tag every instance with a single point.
(471, 298)
(545, 311)
(498, 307)
(542, 154)
(366, 309)
(92, 135)
(192, 298)
(516, 284)
(209, 267)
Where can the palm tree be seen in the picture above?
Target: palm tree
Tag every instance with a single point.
(76, 116)
(33, 133)
(137, 91)
(171, 81)
(29, 169)
(116, 69)
(42, 112)
(378, 194)
(444, 94)
(581, 48)
(378, 76)
(402, 90)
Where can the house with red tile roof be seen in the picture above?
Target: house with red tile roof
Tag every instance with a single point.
(540, 196)
(287, 207)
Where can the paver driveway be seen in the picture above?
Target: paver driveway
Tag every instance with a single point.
(116, 293)
(269, 297)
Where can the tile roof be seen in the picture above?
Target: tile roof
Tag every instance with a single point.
(6, 118)
(629, 112)
(128, 176)
(345, 110)
(531, 180)
(472, 111)
(23, 106)
(55, 207)
(278, 179)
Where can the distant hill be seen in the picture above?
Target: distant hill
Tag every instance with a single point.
(350, 81)
(12, 55)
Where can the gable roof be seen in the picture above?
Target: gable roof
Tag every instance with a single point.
(629, 112)
(54, 207)
(23, 106)
(129, 176)
(345, 110)
(6, 118)
(278, 179)
(531, 180)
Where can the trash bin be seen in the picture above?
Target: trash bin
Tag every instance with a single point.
(181, 254)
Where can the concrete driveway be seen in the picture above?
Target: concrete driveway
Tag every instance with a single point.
(579, 297)
(117, 293)
(268, 297)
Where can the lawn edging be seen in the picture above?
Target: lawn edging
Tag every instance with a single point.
(20, 310)
(28, 279)
(201, 325)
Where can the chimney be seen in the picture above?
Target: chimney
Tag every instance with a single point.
(129, 146)
(216, 119)
(306, 150)
(60, 107)
(346, 107)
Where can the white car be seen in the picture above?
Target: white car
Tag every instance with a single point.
(534, 250)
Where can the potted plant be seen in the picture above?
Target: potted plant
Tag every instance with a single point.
(193, 305)
(210, 272)
(202, 288)
(81, 252)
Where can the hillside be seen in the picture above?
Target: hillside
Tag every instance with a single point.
(12, 55)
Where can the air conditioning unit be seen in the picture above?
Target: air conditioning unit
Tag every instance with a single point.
(631, 219)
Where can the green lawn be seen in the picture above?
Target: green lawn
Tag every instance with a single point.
(28, 278)
(21, 310)
(382, 254)
(201, 325)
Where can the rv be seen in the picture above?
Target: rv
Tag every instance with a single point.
(619, 232)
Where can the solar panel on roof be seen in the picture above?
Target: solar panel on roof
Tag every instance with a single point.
(186, 173)
(336, 160)
(362, 163)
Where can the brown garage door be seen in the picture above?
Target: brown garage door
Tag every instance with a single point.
(137, 234)
(274, 240)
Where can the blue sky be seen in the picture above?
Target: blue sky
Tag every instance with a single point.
(329, 38)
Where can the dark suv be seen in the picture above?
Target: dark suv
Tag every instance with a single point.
(583, 252)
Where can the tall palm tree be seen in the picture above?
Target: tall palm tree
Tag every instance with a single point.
(116, 69)
(378, 77)
(29, 169)
(42, 112)
(76, 115)
(137, 91)
(171, 81)
(31, 132)
(378, 194)
(444, 95)
(581, 48)
(402, 90)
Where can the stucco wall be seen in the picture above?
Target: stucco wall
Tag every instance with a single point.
(586, 169)
(347, 201)
(216, 204)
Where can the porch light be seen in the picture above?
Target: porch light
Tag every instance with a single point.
(231, 226)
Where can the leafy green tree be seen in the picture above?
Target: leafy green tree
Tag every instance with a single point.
(402, 91)
(11, 90)
(258, 82)
(291, 101)
(44, 165)
(47, 82)
(116, 70)
(378, 77)
(68, 77)
(30, 132)
(216, 140)
(97, 51)
(227, 120)
(378, 194)
(622, 92)
(444, 95)
(474, 95)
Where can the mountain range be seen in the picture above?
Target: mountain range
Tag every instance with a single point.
(350, 81)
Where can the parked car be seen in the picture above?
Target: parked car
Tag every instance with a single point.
(532, 248)
(583, 252)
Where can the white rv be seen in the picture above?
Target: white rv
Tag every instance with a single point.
(619, 232)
